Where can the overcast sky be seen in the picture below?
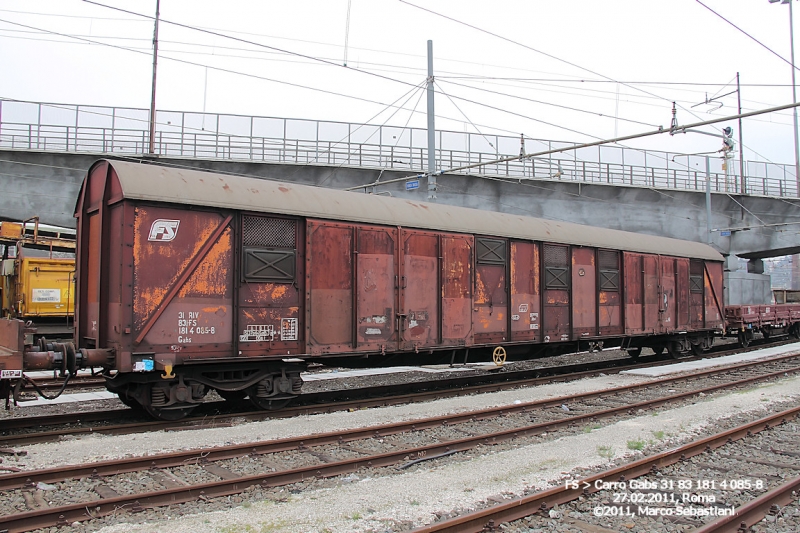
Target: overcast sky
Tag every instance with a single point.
(566, 70)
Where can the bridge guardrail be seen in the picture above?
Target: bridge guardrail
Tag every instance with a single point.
(178, 140)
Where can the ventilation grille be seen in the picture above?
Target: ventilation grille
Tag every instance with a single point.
(268, 232)
(696, 268)
(555, 256)
(608, 260)
(491, 251)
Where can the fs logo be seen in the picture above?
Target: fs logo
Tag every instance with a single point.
(164, 230)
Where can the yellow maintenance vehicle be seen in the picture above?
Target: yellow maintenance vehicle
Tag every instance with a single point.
(37, 276)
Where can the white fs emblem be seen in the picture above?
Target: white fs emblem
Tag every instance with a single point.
(164, 230)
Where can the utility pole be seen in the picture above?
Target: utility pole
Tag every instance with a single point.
(742, 178)
(431, 130)
(153, 94)
(794, 100)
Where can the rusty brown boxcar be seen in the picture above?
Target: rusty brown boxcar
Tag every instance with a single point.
(191, 281)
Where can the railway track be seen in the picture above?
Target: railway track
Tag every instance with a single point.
(28, 430)
(659, 484)
(215, 472)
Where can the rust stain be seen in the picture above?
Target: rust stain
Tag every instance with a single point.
(603, 297)
(211, 276)
(149, 293)
(279, 291)
(283, 189)
(226, 187)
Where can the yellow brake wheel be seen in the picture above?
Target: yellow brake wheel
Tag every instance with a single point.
(499, 356)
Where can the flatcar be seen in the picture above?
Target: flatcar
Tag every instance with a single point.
(189, 281)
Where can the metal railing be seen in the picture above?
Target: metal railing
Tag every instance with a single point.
(124, 131)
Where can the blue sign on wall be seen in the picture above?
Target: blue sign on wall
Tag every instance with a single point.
(725, 233)
(412, 184)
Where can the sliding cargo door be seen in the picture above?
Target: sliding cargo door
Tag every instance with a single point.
(525, 296)
(351, 295)
(491, 292)
(584, 293)
(667, 301)
(556, 323)
(456, 290)
(418, 318)
(376, 281)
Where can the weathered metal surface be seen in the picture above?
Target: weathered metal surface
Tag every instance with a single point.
(667, 302)
(556, 306)
(714, 305)
(584, 293)
(188, 300)
(376, 289)
(456, 289)
(419, 314)
(525, 293)
(491, 316)
(610, 290)
(149, 182)
(682, 292)
(652, 294)
(634, 293)
(329, 271)
(12, 344)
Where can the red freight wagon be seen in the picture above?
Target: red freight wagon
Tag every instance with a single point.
(191, 281)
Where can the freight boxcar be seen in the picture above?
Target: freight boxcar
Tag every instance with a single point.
(191, 281)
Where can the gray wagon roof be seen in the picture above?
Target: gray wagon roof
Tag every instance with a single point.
(163, 184)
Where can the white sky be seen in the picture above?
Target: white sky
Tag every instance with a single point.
(632, 41)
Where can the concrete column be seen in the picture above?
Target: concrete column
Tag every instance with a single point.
(755, 266)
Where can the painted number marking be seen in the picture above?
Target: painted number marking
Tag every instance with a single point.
(187, 325)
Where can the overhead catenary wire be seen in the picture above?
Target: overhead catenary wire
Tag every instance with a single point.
(660, 131)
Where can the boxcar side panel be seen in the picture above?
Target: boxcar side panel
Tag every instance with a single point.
(419, 289)
(668, 301)
(584, 293)
(652, 294)
(714, 306)
(696, 298)
(682, 292)
(457, 290)
(375, 288)
(525, 297)
(609, 310)
(634, 293)
(187, 302)
(556, 305)
(491, 294)
(271, 288)
(329, 271)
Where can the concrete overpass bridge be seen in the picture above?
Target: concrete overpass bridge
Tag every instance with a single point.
(45, 150)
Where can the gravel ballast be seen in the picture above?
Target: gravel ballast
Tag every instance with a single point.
(361, 503)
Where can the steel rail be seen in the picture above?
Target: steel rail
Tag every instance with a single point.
(209, 422)
(88, 510)
(519, 508)
(310, 402)
(753, 511)
(220, 453)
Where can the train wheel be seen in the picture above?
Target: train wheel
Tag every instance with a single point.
(635, 352)
(232, 395)
(672, 350)
(127, 400)
(744, 340)
(499, 356)
(795, 330)
(697, 349)
(169, 413)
